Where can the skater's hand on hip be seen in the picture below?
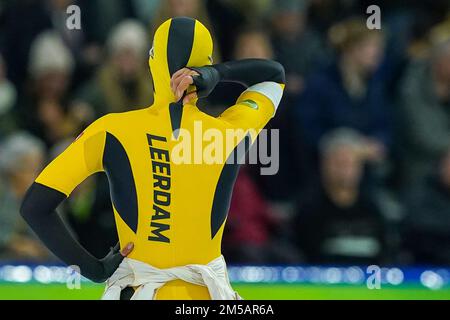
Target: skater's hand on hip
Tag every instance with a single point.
(113, 259)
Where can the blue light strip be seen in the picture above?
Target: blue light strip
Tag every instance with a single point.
(432, 278)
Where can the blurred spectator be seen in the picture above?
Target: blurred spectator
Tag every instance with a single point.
(251, 231)
(8, 97)
(426, 15)
(44, 111)
(254, 42)
(86, 51)
(440, 32)
(300, 51)
(297, 47)
(21, 159)
(23, 21)
(227, 21)
(324, 13)
(57, 11)
(252, 221)
(426, 229)
(251, 42)
(338, 221)
(145, 10)
(348, 93)
(425, 102)
(123, 82)
(99, 17)
(179, 8)
(254, 11)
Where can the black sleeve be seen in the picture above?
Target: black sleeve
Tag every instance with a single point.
(38, 210)
(246, 72)
(251, 71)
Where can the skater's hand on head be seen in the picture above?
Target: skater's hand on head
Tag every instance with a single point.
(180, 82)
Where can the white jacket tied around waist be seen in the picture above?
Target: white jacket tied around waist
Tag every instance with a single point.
(148, 279)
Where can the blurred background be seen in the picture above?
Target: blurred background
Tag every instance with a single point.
(364, 128)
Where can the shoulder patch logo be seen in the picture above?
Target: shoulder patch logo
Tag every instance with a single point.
(250, 103)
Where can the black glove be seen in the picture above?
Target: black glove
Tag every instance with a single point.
(206, 81)
(110, 263)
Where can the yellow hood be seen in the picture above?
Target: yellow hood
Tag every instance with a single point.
(179, 42)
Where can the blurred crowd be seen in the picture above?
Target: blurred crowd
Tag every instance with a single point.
(364, 123)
